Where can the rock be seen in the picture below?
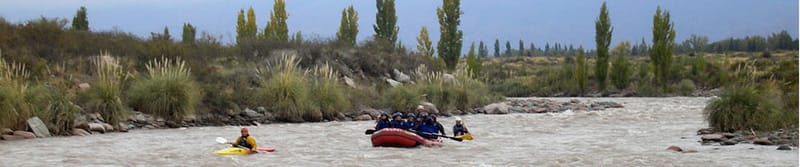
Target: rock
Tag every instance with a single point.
(728, 135)
(252, 114)
(393, 83)
(516, 109)
(430, 107)
(496, 108)
(598, 108)
(96, 117)
(538, 110)
(261, 109)
(38, 127)
(84, 86)
(762, 141)
(374, 113)
(349, 82)
(341, 116)
(608, 104)
(108, 127)
(705, 131)
(79, 132)
(364, 117)
(123, 127)
(711, 137)
(401, 77)
(24, 134)
(574, 101)
(728, 142)
(784, 147)
(689, 151)
(97, 127)
(6, 131)
(675, 148)
(11, 137)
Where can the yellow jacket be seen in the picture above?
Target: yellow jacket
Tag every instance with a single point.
(251, 141)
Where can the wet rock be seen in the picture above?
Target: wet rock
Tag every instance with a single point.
(364, 117)
(393, 83)
(705, 131)
(401, 77)
(108, 127)
(728, 142)
(675, 148)
(11, 137)
(95, 117)
(538, 110)
(784, 147)
(24, 134)
(516, 109)
(374, 113)
(261, 109)
(728, 135)
(172, 124)
(6, 131)
(574, 101)
(430, 107)
(598, 108)
(349, 82)
(711, 137)
(96, 127)
(268, 116)
(123, 127)
(38, 127)
(689, 151)
(496, 108)
(341, 117)
(252, 114)
(762, 141)
(79, 132)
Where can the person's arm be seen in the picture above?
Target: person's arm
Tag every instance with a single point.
(252, 141)
(441, 128)
(235, 142)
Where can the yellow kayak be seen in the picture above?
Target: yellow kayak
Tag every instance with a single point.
(241, 151)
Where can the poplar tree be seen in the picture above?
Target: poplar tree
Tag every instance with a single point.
(348, 29)
(188, 34)
(603, 31)
(450, 39)
(80, 22)
(663, 46)
(424, 44)
(385, 26)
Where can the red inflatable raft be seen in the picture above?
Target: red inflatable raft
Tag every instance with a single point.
(393, 137)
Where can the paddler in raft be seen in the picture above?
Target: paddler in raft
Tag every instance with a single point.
(397, 121)
(245, 141)
(410, 121)
(383, 122)
(427, 129)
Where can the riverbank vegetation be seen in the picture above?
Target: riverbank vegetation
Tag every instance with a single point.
(59, 73)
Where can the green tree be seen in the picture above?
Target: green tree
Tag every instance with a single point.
(385, 27)
(621, 69)
(781, 41)
(696, 43)
(188, 34)
(581, 76)
(532, 49)
(643, 48)
(277, 29)
(473, 62)
(241, 27)
(298, 38)
(521, 48)
(450, 39)
(80, 22)
(165, 36)
(424, 44)
(508, 48)
(496, 47)
(603, 31)
(348, 29)
(250, 26)
(482, 50)
(663, 46)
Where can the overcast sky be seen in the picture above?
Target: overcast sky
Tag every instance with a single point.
(563, 21)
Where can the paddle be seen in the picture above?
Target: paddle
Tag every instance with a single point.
(449, 137)
(369, 131)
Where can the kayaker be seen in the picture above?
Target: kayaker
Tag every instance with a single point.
(397, 120)
(410, 121)
(459, 129)
(245, 141)
(383, 122)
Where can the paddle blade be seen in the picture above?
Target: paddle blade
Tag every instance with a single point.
(369, 131)
(466, 136)
(221, 140)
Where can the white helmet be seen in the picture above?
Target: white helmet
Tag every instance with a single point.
(458, 118)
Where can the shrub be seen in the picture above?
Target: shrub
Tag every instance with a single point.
(167, 91)
(621, 72)
(401, 98)
(105, 96)
(685, 87)
(741, 108)
(13, 109)
(329, 93)
(52, 103)
(287, 91)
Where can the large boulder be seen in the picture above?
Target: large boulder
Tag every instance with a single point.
(6, 131)
(108, 127)
(784, 147)
(79, 132)
(430, 107)
(496, 108)
(401, 77)
(363, 117)
(11, 137)
(712, 137)
(24, 134)
(97, 127)
(252, 113)
(123, 127)
(374, 113)
(762, 141)
(38, 127)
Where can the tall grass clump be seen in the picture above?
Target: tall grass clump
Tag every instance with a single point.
(13, 108)
(105, 96)
(286, 92)
(329, 93)
(52, 103)
(167, 91)
(750, 103)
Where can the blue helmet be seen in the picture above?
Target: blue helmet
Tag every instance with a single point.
(411, 115)
(423, 114)
(397, 114)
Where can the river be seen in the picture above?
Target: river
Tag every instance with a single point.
(636, 135)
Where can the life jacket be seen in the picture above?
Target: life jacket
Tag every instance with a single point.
(410, 124)
(396, 124)
(243, 142)
(459, 129)
(382, 124)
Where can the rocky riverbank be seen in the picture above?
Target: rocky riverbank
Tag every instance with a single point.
(784, 139)
(93, 123)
